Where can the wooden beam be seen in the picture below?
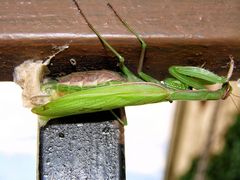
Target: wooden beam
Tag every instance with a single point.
(179, 33)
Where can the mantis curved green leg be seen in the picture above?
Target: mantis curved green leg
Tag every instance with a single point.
(137, 91)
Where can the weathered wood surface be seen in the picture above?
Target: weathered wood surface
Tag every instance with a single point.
(177, 32)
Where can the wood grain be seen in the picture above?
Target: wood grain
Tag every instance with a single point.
(177, 33)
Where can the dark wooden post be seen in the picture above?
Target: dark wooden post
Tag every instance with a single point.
(177, 33)
(87, 146)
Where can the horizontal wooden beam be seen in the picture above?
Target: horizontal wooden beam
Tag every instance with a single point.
(177, 33)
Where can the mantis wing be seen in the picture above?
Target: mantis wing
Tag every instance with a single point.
(102, 98)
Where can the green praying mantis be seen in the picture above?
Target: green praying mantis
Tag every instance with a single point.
(187, 83)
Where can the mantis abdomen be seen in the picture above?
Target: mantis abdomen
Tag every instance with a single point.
(103, 98)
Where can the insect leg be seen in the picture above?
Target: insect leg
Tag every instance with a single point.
(197, 81)
(121, 121)
(144, 76)
(143, 44)
(129, 75)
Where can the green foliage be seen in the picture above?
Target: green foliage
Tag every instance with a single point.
(191, 172)
(225, 165)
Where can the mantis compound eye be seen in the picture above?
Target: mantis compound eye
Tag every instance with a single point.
(228, 91)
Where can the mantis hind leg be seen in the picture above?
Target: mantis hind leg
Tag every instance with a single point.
(129, 75)
(143, 44)
(141, 74)
(121, 121)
